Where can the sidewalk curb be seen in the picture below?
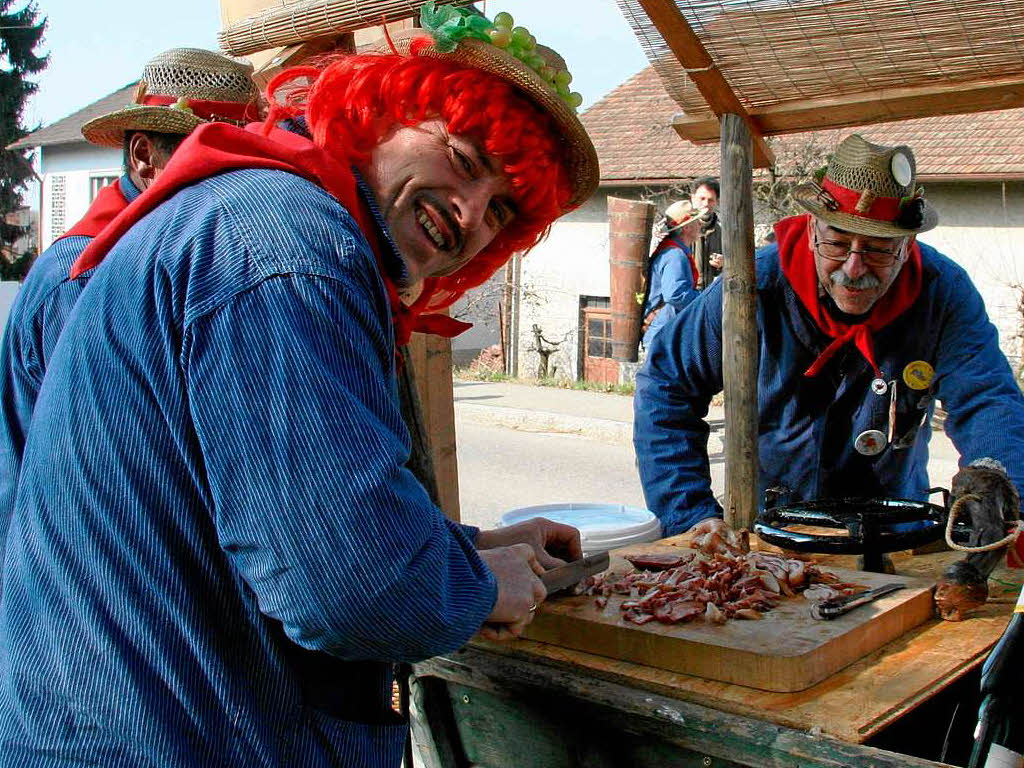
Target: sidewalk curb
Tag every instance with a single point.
(605, 430)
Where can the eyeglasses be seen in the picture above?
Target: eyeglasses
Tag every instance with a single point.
(872, 257)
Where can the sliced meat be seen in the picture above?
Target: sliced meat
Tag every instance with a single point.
(656, 562)
(713, 615)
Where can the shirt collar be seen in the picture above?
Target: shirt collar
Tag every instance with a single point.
(391, 260)
(128, 188)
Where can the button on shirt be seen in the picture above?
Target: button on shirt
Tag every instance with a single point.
(216, 549)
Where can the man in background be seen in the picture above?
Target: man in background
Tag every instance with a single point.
(180, 89)
(708, 247)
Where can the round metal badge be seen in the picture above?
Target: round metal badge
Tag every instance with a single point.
(870, 442)
(879, 387)
(918, 374)
(901, 170)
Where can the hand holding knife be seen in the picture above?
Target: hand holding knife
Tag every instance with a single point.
(565, 576)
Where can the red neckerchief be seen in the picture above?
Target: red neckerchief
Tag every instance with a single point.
(215, 148)
(670, 241)
(798, 267)
(109, 202)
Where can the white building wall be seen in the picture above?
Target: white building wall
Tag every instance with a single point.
(571, 262)
(67, 172)
(982, 229)
(63, 158)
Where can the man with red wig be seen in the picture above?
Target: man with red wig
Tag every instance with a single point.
(217, 553)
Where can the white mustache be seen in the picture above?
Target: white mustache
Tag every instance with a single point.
(862, 283)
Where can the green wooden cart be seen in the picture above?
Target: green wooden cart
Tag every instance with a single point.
(539, 706)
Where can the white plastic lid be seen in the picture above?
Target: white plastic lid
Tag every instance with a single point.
(602, 526)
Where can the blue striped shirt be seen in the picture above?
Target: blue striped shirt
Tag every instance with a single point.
(37, 317)
(216, 551)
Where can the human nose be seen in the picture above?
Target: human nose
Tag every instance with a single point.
(471, 203)
(854, 265)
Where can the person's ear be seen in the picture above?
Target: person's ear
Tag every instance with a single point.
(143, 158)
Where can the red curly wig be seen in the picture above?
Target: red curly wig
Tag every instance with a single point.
(350, 103)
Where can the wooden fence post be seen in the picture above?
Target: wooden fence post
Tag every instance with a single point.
(434, 449)
(740, 349)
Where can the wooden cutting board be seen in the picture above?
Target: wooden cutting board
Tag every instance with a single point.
(784, 651)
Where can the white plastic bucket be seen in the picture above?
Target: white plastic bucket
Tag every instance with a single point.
(602, 526)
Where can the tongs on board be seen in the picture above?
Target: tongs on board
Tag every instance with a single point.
(837, 606)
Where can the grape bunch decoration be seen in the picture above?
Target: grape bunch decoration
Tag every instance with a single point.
(448, 26)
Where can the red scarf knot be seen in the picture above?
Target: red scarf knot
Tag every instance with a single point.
(797, 261)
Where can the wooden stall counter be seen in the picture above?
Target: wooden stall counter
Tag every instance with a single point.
(755, 727)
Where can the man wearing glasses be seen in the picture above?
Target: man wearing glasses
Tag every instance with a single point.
(862, 330)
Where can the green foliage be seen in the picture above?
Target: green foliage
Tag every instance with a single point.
(16, 268)
(470, 374)
(21, 32)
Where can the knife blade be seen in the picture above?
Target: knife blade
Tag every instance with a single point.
(565, 576)
(837, 606)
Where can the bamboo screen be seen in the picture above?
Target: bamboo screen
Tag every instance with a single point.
(287, 22)
(774, 51)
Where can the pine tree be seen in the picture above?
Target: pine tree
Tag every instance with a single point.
(21, 32)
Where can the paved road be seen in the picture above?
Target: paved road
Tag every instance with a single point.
(502, 469)
(523, 446)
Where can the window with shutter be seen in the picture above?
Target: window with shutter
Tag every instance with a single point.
(96, 183)
(58, 206)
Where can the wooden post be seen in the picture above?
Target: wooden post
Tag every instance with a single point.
(431, 359)
(739, 325)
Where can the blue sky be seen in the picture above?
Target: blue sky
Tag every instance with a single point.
(98, 46)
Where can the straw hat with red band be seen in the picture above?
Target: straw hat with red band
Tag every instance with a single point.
(181, 89)
(580, 155)
(869, 189)
(679, 214)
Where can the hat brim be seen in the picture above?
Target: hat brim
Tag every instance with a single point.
(109, 130)
(684, 222)
(584, 171)
(806, 196)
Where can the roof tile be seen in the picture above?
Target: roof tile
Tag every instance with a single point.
(69, 129)
(631, 130)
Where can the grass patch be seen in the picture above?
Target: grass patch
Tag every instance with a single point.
(467, 374)
(584, 386)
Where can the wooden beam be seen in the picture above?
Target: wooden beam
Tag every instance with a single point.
(882, 106)
(299, 53)
(739, 326)
(431, 358)
(701, 69)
